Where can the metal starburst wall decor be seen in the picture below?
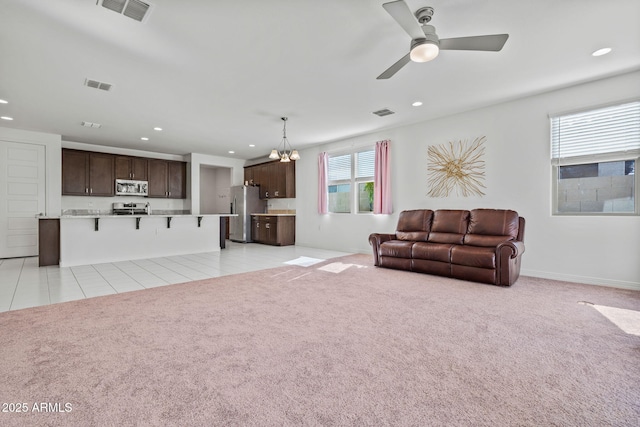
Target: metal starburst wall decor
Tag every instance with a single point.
(457, 168)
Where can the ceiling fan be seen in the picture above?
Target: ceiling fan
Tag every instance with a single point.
(425, 44)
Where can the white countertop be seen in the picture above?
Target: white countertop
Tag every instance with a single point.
(152, 215)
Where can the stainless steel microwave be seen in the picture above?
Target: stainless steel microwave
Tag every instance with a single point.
(127, 187)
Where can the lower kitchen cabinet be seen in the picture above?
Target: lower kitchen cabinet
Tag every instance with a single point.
(278, 230)
(48, 241)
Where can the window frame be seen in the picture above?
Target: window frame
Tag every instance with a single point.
(354, 181)
(612, 156)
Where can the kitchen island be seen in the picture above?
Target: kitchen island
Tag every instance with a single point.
(95, 239)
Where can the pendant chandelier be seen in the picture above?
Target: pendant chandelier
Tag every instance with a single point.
(284, 152)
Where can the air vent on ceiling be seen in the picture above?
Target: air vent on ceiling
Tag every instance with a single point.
(98, 85)
(383, 112)
(134, 9)
(91, 125)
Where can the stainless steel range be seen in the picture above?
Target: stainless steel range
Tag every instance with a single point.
(131, 208)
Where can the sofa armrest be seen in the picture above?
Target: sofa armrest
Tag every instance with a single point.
(512, 248)
(508, 256)
(375, 240)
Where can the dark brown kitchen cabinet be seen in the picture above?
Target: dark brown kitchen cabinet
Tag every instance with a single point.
(177, 180)
(275, 179)
(131, 168)
(282, 180)
(75, 173)
(261, 179)
(87, 173)
(273, 230)
(167, 179)
(48, 241)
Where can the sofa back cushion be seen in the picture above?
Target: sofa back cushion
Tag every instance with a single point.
(449, 226)
(414, 225)
(490, 227)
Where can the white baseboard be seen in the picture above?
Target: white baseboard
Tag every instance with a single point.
(582, 279)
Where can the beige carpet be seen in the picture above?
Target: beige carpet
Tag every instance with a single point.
(338, 343)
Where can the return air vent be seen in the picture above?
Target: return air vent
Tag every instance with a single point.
(134, 9)
(91, 125)
(98, 85)
(383, 112)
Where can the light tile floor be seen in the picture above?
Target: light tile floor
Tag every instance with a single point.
(23, 284)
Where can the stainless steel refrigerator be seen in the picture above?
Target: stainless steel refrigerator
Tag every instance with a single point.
(245, 201)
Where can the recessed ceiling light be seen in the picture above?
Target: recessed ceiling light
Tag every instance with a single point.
(417, 104)
(157, 128)
(602, 51)
(2, 101)
(252, 145)
(6, 118)
(232, 152)
(144, 138)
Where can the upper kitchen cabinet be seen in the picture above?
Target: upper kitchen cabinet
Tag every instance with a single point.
(283, 179)
(167, 179)
(87, 173)
(276, 179)
(131, 168)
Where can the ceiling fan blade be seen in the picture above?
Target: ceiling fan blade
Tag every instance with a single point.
(395, 67)
(492, 43)
(401, 13)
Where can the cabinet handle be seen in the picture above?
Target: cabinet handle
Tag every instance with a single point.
(267, 226)
(86, 190)
(91, 191)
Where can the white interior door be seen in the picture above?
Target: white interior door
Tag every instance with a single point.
(22, 197)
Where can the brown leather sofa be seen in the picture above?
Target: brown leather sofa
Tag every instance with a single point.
(481, 245)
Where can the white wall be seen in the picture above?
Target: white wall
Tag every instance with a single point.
(591, 249)
(214, 189)
(53, 162)
(197, 161)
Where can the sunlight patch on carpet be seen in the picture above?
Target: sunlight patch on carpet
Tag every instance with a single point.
(304, 261)
(627, 320)
(338, 267)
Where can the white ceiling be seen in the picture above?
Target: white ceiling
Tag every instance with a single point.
(217, 75)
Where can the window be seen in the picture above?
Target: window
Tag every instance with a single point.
(594, 156)
(350, 182)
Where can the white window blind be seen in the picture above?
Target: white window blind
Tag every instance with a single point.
(365, 161)
(339, 167)
(614, 129)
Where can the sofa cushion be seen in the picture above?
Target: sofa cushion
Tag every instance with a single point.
(449, 226)
(396, 249)
(473, 256)
(414, 225)
(432, 251)
(490, 227)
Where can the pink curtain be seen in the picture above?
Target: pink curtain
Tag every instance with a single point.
(323, 163)
(382, 179)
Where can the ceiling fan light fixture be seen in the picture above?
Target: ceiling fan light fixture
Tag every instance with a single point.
(424, 50)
